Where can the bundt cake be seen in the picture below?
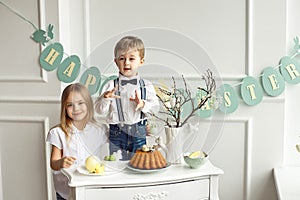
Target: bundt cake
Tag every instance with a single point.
(148, 160)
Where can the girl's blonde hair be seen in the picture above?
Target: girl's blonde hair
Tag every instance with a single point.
(65, 120)
(129, 43)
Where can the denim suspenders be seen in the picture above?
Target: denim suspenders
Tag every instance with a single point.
(119, 105)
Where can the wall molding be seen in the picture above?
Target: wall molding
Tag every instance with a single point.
(1, 187)
(45, 122)
(87, 33)
(29, 99)
(25, 79)
(43, 74)
(248, 123)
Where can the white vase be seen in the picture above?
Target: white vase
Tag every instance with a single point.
(174, 145)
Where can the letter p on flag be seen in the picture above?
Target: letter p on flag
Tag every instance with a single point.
(91, 78)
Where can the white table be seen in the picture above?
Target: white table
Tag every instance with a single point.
(175, 182)
(287, 180)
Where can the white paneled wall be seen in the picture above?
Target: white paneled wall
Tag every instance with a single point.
(23, 159)
(239, 40)
(292, 109)
(236, 38)
(29, 101)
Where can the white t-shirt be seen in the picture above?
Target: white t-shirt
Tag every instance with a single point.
(81, 144)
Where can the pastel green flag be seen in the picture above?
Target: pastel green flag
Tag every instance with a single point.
(272, 81)
(69, 69)
(290, 70)
(230, 99)
(91, 78)
(51, 56)
(251, 91)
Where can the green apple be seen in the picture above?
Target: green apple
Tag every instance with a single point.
(112, 157)
(107, 158)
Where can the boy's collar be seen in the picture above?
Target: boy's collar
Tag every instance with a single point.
(121, 77)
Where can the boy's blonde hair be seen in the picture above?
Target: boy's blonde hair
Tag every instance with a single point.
(65, 120)
(130, 43)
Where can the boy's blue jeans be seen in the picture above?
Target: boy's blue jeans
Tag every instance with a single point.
(58, 197)
(127, 138)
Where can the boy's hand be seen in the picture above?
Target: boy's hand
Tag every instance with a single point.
(139, 102)
(67, 162)
(111, 93)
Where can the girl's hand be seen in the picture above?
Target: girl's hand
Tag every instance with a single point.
(57, 162)
(139, 102)
(67, 162)
(111, 93)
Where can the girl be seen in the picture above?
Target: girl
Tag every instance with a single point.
(69, 138)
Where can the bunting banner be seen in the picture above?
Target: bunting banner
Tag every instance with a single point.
(271, 82)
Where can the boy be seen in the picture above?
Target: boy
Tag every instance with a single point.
(127, 99)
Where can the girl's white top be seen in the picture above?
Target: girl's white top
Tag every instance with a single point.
(81, 144)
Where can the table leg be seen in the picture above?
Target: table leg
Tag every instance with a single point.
(214, 187)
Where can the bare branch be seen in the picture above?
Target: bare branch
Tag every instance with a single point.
(183, 97)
